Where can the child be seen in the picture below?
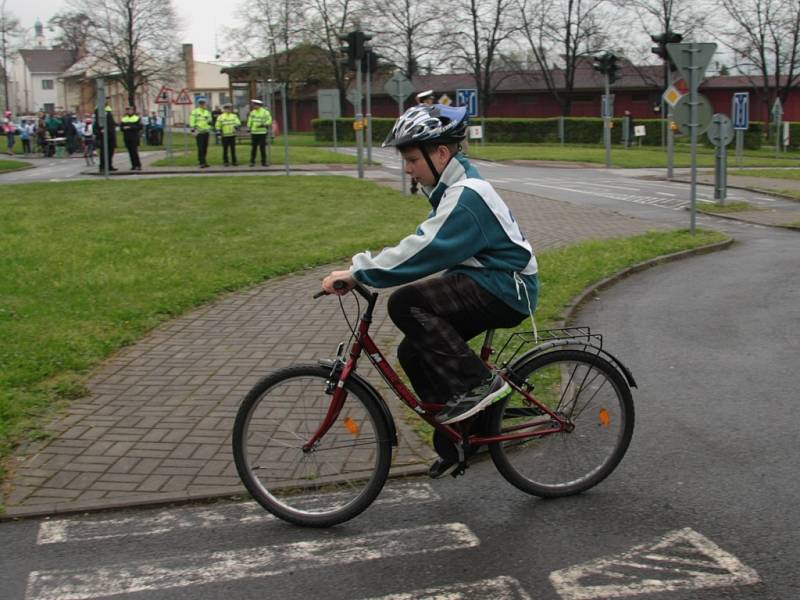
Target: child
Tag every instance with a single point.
(11, 131)
(27, 129)
(87, 131)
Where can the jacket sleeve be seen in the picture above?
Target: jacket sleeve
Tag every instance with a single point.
(444, 240)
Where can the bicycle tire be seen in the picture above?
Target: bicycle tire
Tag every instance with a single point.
(335, 481)
(569, 381)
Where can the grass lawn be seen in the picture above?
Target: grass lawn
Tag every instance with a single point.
(769, 173)
(637, 157)
(12, 165)
(728, 207)
(88, 267)
(298, 154)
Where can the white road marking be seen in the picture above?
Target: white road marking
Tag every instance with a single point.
(681, 560)
(764, 199)
(231, 565)
(666, 194)
(82, 530)
(498, 588)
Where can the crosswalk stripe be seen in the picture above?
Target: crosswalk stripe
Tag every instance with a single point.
(82, 530)
(216, 567)
(498, 588)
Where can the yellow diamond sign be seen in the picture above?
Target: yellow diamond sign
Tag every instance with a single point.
(672, 95)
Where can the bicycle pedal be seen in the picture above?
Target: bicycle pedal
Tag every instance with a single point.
(459, 470)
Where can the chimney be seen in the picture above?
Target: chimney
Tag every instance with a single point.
(188, 62)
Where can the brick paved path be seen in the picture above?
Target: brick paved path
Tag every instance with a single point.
(157, 424)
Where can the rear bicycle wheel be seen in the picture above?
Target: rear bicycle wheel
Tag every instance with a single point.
(592, 394)
(335, 480)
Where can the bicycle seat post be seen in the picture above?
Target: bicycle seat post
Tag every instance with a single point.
(486, 348)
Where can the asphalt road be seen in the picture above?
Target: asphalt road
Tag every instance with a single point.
(702, 507)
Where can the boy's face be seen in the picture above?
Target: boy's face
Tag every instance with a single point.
(417, 167)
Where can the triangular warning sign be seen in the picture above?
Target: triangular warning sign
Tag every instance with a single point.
(690, 58)
(183, 97)
(164, 95)
(681, 560)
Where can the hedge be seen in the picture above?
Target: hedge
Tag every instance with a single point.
(577, 130)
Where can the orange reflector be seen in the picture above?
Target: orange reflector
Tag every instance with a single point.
(605, 419)
(351, 425)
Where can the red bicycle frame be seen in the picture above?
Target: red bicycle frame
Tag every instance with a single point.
(364, 342)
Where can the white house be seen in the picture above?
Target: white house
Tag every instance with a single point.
(37, 86)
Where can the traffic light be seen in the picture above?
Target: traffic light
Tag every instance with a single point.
(355, 49)
(347, 51)
(370, 62)
(606, 63)
(662, 39)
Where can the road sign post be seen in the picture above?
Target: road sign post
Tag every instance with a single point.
(777, 114)
(399, 87)
(741, 121)
(329, 107)
(720, 133)
(691, 60)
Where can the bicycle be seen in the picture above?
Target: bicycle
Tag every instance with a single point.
(313, 443)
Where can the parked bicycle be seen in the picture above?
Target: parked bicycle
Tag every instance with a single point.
(313, 443)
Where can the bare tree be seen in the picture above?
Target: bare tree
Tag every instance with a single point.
(136, 37)
(72, 27)
(764, 36)
(267, 27)
(560, 35)
(405, 33)
(325, 21)
(10, 32)
(479, 40)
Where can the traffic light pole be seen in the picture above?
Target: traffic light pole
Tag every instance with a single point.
(670, 132)
(369, 107)
(694, 102)
(607, 122)
(359, 118)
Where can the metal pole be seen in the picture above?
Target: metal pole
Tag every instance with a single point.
(335, 149)
(607, 122)
(402, 162)
(670, 133)
(167, 129)
(739, 146)
(561, 129)
(102, 117)
(369, 111)
(359, 118)
(285, 129)
(693, 125)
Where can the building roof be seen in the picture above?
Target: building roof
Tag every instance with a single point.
(46, 61)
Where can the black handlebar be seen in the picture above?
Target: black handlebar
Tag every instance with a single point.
(360, 289)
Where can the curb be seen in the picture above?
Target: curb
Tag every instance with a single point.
(184, 498)
(568, 315)
(767, 191)
(731, 217)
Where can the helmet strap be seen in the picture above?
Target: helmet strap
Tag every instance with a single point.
(436, 175)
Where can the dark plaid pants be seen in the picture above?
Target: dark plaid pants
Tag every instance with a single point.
(438, 317)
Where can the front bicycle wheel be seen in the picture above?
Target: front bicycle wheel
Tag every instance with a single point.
(339, 476)
(588, 391)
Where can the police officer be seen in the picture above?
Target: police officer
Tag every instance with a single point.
(425, 97)
(131, 125)
(258, 122)
(227, 125)
(200, 122)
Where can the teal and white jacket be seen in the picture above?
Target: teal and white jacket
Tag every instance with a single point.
(471, 231)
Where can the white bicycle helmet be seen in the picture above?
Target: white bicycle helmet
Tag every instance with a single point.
(428, 123)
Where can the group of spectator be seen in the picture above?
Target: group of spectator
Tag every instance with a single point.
(45, 131)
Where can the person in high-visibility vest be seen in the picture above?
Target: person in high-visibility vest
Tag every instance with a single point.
(258, 122)
(228, 124)
(200, 122)
(131, 125)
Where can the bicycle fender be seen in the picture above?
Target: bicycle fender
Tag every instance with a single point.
(357, 380)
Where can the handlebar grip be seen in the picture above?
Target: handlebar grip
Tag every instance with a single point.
(337, 285)
(319, 294)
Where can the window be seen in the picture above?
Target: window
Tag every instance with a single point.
(47, 84)
(49, 107)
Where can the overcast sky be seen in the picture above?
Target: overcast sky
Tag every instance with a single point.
(200, 18)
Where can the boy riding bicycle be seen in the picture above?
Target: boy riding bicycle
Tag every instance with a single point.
(490, 273)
